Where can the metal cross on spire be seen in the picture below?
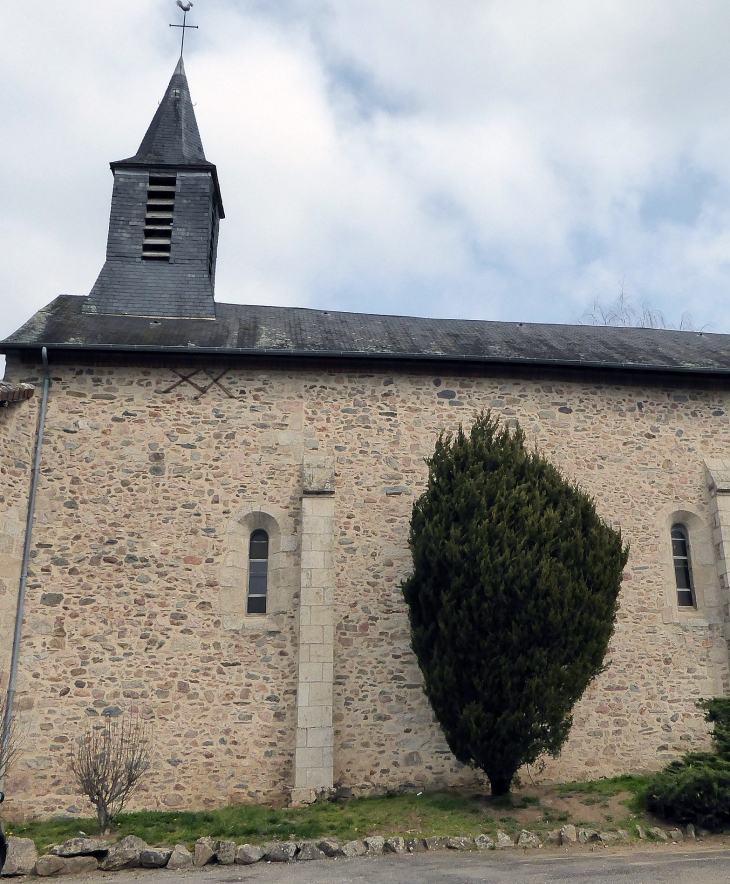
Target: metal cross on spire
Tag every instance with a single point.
(186, 7)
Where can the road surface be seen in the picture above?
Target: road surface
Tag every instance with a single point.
(673, 864)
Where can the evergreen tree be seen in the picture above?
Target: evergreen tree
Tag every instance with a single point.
(512, 598)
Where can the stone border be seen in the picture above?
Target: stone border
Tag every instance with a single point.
(83, 855)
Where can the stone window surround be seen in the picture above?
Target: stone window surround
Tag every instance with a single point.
(283, 573)
(702, 558)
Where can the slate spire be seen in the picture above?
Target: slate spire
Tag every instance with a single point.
(163, 228)
(173, 137)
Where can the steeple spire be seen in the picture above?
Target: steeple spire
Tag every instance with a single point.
(163, 229)
(173, 137)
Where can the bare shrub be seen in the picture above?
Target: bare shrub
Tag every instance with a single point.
(109, 761)
(11, 734)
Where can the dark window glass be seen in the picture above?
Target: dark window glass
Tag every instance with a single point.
(682, 568)
(258, 572)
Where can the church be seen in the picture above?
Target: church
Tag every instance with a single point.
(204, 512)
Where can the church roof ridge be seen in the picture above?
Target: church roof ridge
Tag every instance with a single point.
(300, 332)
(172, 138)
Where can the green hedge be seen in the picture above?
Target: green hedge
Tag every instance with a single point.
(696, 789)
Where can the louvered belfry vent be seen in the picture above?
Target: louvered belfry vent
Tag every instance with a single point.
(158, 217)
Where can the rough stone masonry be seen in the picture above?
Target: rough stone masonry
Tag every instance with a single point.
(136, 596)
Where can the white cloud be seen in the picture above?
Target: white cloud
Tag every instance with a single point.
(504, 159)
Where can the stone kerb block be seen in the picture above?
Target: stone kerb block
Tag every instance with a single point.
(527, 839)
(180, 858)
(155, 857)
(504, 840)
(226, 852)
(81, 847)
(248, 854)
(568, 834)
(22, 856)
(204, 851)
(308, 850)
(459, 843)
(124, 855)
(62, 865)
(282, 852)
(374, 845)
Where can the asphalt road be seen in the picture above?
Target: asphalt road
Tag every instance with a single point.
(666, 863)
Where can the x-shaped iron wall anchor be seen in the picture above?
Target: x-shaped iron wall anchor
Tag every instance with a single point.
(188, 379)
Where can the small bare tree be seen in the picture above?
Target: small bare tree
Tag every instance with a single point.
(109, 761)
(11, 734)
(623, 312)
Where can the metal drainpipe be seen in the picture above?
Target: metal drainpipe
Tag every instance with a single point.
(26, 555)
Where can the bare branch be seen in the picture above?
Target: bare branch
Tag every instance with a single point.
(11, 735)
(109, 761)
(623, 313)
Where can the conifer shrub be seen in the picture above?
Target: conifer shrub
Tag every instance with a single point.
(512, 597)
(696, 789)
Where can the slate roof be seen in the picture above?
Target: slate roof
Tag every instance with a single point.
(173, 138)
(298, 332)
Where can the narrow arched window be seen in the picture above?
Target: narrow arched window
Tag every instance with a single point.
(682, 566)
(258, 572)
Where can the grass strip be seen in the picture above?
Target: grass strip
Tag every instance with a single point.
(408, 815)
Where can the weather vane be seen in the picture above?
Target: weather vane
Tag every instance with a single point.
(186, 7)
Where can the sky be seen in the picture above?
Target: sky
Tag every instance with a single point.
(487, 159)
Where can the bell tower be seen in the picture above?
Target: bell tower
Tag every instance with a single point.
(163, 227)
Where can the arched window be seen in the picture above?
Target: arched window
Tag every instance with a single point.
(682, 566)
(258, 572)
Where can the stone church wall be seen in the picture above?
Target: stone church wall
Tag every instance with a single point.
(151, 485)
(17, 429)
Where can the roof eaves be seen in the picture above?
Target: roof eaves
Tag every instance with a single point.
(455, 358)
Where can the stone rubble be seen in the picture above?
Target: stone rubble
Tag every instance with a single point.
(133, 852)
